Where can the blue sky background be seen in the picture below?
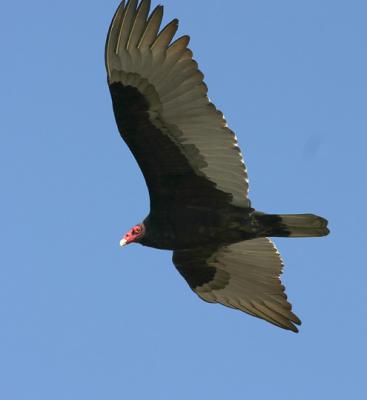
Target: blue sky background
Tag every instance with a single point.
(82, 319)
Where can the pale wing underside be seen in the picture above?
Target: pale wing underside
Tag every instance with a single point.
(245, 276)
(138, 55)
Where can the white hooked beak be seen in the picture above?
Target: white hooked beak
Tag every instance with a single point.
(123, 242)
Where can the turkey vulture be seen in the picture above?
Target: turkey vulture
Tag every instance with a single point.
(194, 171)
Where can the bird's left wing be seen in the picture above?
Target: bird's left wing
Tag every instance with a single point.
(245, 276)
(179, 139)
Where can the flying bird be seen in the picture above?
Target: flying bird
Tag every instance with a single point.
(194, 171)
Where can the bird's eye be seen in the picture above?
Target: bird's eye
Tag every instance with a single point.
(137, 229)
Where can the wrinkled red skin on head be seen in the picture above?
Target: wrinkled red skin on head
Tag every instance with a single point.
(135, 233)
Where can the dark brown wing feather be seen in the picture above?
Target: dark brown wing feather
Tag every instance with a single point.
(244, 276)
(167, 172)
(181, 142)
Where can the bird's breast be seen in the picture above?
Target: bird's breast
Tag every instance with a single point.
(190, 227)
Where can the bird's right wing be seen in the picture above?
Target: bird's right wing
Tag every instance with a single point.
(179, 139)
(245, 276)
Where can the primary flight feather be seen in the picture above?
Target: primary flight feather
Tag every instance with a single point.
(194, 171)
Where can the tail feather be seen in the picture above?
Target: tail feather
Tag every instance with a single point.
(294, 225)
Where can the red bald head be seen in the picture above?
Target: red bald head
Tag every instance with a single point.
(134, 235)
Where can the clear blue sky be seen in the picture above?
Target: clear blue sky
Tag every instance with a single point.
(81, 318)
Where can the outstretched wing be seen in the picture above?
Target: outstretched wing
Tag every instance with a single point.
(244, 275)
(180, 140)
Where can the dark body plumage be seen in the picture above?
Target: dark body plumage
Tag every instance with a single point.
(190, 227)
(194, 171)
